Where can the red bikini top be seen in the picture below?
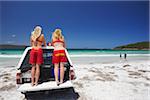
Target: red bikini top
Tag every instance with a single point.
(57, 41)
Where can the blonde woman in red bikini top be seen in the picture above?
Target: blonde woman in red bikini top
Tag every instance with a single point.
(59, 55)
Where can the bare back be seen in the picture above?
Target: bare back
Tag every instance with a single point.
(38, 42)
(58, 44)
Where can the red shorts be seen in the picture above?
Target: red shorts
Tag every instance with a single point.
(59, 56)
(36, 56)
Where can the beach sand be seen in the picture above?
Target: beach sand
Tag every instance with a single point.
(97, 79)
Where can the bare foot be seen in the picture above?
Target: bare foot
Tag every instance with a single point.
(36, 83)
(58, 83)
(61, 82)
(32, 84)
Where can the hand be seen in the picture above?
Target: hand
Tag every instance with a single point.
(49, 44)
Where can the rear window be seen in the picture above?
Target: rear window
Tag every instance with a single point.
(47, 55)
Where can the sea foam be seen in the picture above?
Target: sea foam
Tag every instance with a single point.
(81, 55)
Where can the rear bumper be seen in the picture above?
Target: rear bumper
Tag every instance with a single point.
(43, 87)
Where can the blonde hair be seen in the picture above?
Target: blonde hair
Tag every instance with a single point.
(35, 34)
(57, 35)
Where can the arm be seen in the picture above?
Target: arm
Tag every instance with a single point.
(52, 42)
(44, 41)
(31, 41)
(52, 39)
(64, 44)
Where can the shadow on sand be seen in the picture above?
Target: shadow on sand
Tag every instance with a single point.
(61, 94)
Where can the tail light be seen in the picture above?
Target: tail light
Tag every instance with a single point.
(18, 78)
(72, 74)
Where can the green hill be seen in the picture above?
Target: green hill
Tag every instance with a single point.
(7, 46)
(135, 46)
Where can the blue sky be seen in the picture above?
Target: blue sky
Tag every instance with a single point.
(85, 24)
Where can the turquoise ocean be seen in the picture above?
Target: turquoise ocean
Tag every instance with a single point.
(82, 52)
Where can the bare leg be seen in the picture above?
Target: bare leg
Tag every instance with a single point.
(61, 72)
(56, 72)
(32, 74)
(37, 74)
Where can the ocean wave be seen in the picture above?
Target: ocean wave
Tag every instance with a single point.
(108, 55)
(10, 56)
(81, 55)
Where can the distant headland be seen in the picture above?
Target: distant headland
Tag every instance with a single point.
(10, 46)
(133, 46)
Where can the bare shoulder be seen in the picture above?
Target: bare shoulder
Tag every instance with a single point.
(62, 39)
(31, 37)
(42, 35)
(53, 39)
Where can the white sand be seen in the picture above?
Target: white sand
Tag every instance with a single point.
(8, 80)
(97, 79)
(113, 81)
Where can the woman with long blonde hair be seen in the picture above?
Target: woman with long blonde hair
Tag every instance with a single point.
(36, 53)
(59, 55)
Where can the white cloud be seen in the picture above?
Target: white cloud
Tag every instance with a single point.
(13, 35)
(9, 42)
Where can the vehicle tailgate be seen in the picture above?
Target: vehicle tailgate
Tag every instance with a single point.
(44, 86)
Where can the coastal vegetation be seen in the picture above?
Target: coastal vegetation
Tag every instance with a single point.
(135, 46)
